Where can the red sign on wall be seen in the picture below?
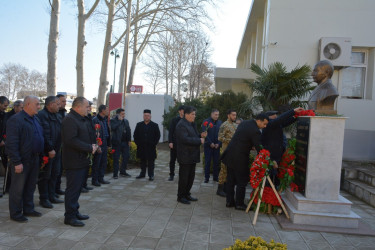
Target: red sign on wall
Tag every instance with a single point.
(136, 88)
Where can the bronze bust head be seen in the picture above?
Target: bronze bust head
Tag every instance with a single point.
(323, 98)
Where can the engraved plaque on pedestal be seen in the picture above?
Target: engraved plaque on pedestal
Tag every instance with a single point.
(302, 146)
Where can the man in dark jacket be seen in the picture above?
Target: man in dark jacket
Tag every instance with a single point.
(52, 143)
(86, 188)
(188, 153)
(24, 146)
(236, 158)
(146, 136)
(4, 102)
(172, 141)
(78, 144)
(121, 140)
(61, 115)
(212, 145)
(100, 159)
(17, 107)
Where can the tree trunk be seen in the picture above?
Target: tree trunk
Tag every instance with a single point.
(80, 48)
(52, 47)
(135, 50)
(103, 85)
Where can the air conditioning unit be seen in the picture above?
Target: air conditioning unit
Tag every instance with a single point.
(337, 50)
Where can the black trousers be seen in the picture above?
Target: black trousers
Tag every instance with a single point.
(150, 165)
(48, 178)
(74, 182)
(21, 192)
(186, 177)
(237, 178)
(58, 178)
(172, 161)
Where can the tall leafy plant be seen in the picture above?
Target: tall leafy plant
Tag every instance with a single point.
(276, 87)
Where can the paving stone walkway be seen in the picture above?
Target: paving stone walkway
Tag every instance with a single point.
(139, 214)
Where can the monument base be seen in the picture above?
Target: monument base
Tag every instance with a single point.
(328, 213)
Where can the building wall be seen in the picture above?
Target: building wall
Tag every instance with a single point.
(291, 33)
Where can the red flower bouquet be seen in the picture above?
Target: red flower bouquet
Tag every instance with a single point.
(308, 112)
(45, 160)
(113, 151)
(97, 127)
(259, 167)
(286, 168)
(268, 197)
(207, 125)
(99, 141)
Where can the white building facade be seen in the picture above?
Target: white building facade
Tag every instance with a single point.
(289, 31)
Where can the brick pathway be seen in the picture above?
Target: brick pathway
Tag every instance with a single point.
(139, 214)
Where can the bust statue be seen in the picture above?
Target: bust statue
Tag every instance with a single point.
(323, 98)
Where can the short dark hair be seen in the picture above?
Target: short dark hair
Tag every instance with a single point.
(50, 99)
(60, 95)
(261, 117)
(17, 103)
(3, 99)
(78, 101)
(230, 111)
(119, 110)
(214, 110)
(189, 110)
(181, 107)
(102, 107)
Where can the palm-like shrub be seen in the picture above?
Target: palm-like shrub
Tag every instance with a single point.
(275, 87)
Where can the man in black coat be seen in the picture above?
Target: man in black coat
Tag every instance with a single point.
(24, 146)
(61, 115)
(4, 102)
(100, 159)
(78, 144)
(52, 144)
(121, 140)
(188, 153)
(172, 141)
(146, 136)
(236, 158)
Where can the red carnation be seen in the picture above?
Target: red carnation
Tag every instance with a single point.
(4, 136)
(113, 151)
(45, 160)
(99, 141)
(290, 172)
(211, 125)
(97, 126)
(205, 123)
(293, 187)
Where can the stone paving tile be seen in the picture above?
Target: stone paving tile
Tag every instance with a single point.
(59, 244)
(144, 242)
(194, 246)
(34, 243)
(12, 240)
(72, 234)
(169, 244)
(119, 241)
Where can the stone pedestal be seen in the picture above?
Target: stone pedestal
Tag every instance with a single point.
(318, 170)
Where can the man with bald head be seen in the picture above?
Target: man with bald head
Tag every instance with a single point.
(78, 144)
(24, 146)
(324, 95)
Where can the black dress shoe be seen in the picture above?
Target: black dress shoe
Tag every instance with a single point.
(171, 178)
(60, 192)
(96, 184)
(89, 188)
(57, 196)
(20, 219)
(240, 207)
(140, 177)
(205, 181)
(190, 198)
(56, 201)
(115, 177)
(82, 216)
(73, 222)
(45, 203)
(151, 178)
(125, 175)
(84, 190)
(230, 205)
(33, 214)
(183, 200)
(104, 182)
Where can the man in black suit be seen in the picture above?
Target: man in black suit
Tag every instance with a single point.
(24, 146)
(78, 144)
(52, 142)
(172, 141)
(4, 102)
(188, 153)
(236, 158)
(146, 136)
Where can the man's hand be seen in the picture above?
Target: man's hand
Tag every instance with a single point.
(217, 145)
(204, 134)
(2, 143)
(18, 169)
(275, 166)
(202, 140)
(297, 110)
(170, 145)
(212, 145)
(94, 148)
(99, 150)
(51, 154)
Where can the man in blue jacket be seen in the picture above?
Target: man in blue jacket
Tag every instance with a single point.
(212, 145)
(24, 146)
